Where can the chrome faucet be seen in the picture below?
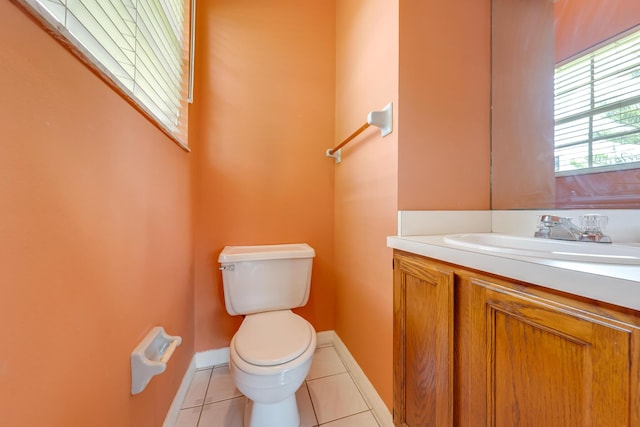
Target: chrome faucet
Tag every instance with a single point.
(556, 227)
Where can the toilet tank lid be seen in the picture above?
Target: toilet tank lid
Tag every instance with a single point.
(265, 252)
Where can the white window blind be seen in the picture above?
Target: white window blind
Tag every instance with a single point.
(597, 108)
(140, 46)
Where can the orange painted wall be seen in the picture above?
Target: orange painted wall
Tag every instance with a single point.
(444, 88)
(366, 185)
(581, 24)
(95, 241)
(96, 225)
(522, 174)
(263, 116)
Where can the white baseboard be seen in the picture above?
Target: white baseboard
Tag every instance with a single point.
(325, 338)
(174, 410)
(210, 358)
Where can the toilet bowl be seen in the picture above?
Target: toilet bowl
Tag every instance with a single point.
(271, 353)
(270, 356)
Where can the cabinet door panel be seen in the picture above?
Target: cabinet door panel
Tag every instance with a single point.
(547, 365)
(423, 345)
(537, 371)
(421, 342)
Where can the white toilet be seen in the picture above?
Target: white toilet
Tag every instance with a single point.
(270, 354)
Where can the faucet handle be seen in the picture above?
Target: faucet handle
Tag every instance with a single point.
(592, 227)
(593, 223)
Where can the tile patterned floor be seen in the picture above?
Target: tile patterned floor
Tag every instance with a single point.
(329, 397)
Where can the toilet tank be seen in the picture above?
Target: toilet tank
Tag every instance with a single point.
(266, 277)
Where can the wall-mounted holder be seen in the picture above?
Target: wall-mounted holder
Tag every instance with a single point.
(150, 357)
(336, 154)
(382, 119)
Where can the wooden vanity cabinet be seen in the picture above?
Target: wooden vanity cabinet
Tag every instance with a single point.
(472, 349)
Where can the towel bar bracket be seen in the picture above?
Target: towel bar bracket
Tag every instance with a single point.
(382, 119)
(337, 155)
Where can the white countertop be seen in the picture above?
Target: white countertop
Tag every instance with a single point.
(612, 283)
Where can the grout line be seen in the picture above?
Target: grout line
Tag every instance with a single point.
(205, 392)
(332, 375)
(224, 400)
(364, 397)
(199, 416)
(313, 407)
(350, 415)
(205, 396)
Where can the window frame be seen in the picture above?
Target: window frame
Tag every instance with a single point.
(589, 114)
(64, 37)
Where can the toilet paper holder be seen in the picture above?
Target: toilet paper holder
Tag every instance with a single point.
(150, 357)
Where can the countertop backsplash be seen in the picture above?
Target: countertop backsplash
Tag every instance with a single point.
(623, 225)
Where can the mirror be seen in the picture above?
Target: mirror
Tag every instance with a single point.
(579, 147)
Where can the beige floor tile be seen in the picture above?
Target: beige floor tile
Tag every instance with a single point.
(227, 413)
(305, 407)
(221, 386)
(329, 397)
(188, 417)
(335, 397)
(325, 362)
(197, 389)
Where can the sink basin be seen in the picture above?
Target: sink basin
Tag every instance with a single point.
(495, 243)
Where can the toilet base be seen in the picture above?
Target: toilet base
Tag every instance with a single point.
(280, 414)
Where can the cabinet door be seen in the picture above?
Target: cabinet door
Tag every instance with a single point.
(539, 363)
(423, 344)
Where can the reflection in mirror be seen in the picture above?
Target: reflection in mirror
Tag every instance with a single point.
(565, 104)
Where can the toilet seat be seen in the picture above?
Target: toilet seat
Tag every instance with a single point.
(272, 338)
